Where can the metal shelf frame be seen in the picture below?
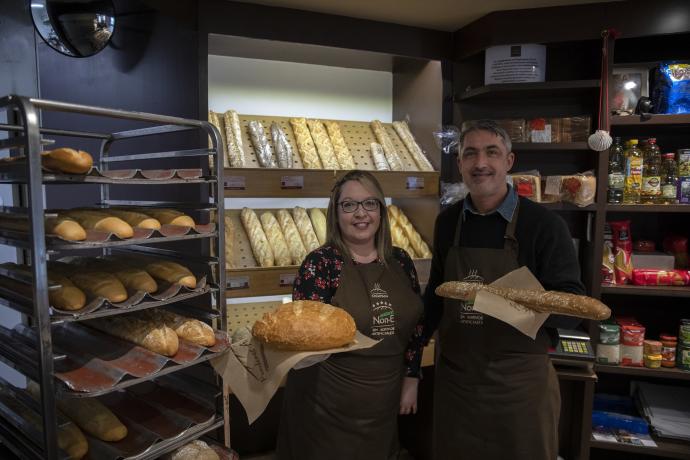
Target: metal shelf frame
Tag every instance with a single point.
(27, 136)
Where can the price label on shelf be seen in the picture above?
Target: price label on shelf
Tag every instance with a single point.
(292, 182)
(238, 282)
(415, 183)
(287, 279)
(235, 183)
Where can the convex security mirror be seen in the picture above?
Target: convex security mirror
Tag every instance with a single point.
(77, 28)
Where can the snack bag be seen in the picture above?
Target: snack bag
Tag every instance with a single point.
(622, 245)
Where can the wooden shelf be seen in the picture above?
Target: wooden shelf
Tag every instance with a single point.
(560, 206)
(652, 120)
(662, 372)
(665, 449)
(569, 88)
(660, 291)
(550, 146)
(655, 208)
(301, 183)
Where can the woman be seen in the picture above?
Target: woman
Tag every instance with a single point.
(346, 406)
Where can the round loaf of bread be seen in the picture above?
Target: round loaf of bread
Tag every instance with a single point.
(305, 325)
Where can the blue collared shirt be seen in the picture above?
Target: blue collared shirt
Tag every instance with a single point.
(506, 209)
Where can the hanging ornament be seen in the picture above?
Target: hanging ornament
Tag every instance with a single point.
(601, 139)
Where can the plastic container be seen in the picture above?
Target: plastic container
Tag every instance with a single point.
(669, 343)
(652, 347)
(652, 361)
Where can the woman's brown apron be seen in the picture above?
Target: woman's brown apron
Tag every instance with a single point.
(346, 407)
(496, 392)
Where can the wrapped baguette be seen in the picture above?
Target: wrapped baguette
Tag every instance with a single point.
(152, 335)
(68, 161)
(560, 303)
(275, 237)
(342, 152)
(318, 220)
(392, 156)
(380, 162)
(233, 135)
(294, 241)
(413, 147)
(305, 144)
(263, 150)
(323, 144)
(283, 147)
(89, 414)
(168, 216)
(99, 220)
(171, 272)
(189, 329)
(217, 120)
(420, 247)
(305, 228)
(135, 219)
(257, 238)
(305, 325)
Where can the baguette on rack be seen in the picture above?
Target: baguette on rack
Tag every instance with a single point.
(67, 296)
(230, 243)
(168, 216)
(384, 139)
(135, 279)
(342, 152)
(170, 272)
(556, 302)
(287, 224)
(152, 335)
(134, 218)
(99, 220)
(67, 160)
(282, 146)
(305, 228)
(99, 284)
(274, 235)
(233, 148)
(305, 144)
(415, 239)
(64, 227)
(189, 329)
(305, 325)
(216, 119)
(323, 144)
(261, 248)
(380, 162)
(318, 220)
(262, 149)
(403, 130)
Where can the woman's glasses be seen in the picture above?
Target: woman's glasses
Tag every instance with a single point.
(370, 204)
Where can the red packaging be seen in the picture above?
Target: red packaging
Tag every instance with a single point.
(678, 247)
(632, 335)
(608, 262)
(652, 277)
(622, 246)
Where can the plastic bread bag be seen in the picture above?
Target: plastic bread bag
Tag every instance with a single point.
(283, 147)
(671, 88)
(527, 184)
(452, 192)
(447, 139)
(263, 150)
(579, 189)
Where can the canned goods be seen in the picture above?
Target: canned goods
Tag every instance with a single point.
(683, 358)
(669, 344)
(652, 361)
(684, 332)
(652, 347)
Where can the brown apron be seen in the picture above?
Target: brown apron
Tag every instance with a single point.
(496, 393)
(346, 407)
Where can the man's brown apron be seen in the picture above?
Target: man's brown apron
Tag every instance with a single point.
(496, 392)
(346, 407)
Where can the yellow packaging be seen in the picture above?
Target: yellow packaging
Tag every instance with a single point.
(652, 361)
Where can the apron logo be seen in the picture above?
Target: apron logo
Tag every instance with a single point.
(467, 315)
(383, 319)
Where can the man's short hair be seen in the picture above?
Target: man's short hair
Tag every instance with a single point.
(485, 125)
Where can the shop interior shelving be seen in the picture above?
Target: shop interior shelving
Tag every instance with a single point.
(38, 356)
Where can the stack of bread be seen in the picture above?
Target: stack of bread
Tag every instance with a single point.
(405, 236)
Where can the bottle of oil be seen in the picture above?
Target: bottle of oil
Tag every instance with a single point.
(616, 172)
(651, 176)
(669, 179)
(633, 173)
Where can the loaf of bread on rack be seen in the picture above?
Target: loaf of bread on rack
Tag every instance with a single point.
(99, 284)
(400, 239)
(379, 158)
(305, 325)
(67, 160)
(389, 150)
(195, 450)
(63, 227)
(230, 242)
(89, 414)
(560, 303)
(135, 279)
(170, 272)
(282, 146)
(323, 144)
(412, 146)
(261, 248)
(262, 148)
(294, 241)
(168, 216)
(99, 220)
(305, 144)
(135, 218)
(152, 335)
(67, 296)
(318, 220)
(342, 152)
(281, 253)
(189, 329)
(415, 239)
(216, 119)
(305, 228)
(233, 144)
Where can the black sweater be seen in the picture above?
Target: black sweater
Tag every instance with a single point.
(545, 247)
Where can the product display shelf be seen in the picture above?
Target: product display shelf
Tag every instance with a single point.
(653, 208)
(658, 291)
(551, 146)
(664, 449)
(519, 90)
(27, 139)
(662, 372)
(651, 120)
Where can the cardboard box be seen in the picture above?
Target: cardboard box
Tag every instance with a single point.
(654, 260)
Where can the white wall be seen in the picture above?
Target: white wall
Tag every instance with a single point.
(263, 87)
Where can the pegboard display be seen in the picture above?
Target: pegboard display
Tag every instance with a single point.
(358, 136)
(246, 314)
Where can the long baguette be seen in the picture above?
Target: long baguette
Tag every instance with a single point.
(99, 284)
(168, 216)
(99, 220)
(561, 303)
(171, 272)
(67, 160)
(135, 219)
(152, 335)
(64, 227)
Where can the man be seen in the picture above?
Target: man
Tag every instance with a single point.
(496, 394)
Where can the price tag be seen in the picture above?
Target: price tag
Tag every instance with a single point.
(415, 183)
(235, 183)
(287, 279)
(292, 182)
(553, 185)
(238, 282)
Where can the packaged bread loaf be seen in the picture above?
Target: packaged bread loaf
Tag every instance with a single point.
(216, 119)
(67, 160)
(305, 325)
(170, 272)
(262, 149)
(89, 414)
(579, 189)
(99, 220)
(233, 134)
(318, 221)
(420, 247)
(305, 144)
(135, 219)
(195, 450)
(283, 147)
(392, 157)
(261, 248)
(281, 253)
(168, 216)
(528, 185)
(413, 147)
(305, 228)
(152, 335)
(294, 241)
(379, 158)
(189, 329)
(342, 152)
(561, 303)
(323, 144)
